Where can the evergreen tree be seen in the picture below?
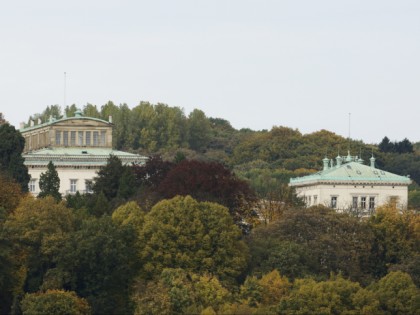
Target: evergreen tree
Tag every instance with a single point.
(49, 183)
(11, 161)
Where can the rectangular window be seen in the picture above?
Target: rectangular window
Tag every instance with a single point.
(103, 138)
(73, 185)
(87, 137)
(32, 185)
(393, 200)
(355, 202)
(66, 138)
(73, 138)
(334, 202)
(88, 186)
(315, 200)
(309, 200)
(95, 138)
(57, 137)
(363, 202)
(80, 138)
(371, 203)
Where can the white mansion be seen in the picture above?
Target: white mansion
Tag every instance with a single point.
(78, 146)
(351, 185)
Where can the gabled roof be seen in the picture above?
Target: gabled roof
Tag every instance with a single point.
(351, 172)
(53, 121)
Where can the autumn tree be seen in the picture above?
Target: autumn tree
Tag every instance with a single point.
(397, 238)
(196, 236)
(49, 183)
(315, 240)
(209, 181)
(11, 161)
(56, 302)
(397, 294)
(10, 192)
(176, 291)
(38, 228)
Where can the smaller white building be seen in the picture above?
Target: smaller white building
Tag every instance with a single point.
(349, 185)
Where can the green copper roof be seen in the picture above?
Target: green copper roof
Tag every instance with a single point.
(351, 172)
(79, 156)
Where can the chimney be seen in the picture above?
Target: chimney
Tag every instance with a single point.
(39, 121)
(32, 123)
(110, 119)
(21, 125)
(372, 162)
(325, 161)
(339, 160)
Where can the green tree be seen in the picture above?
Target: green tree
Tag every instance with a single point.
(2, 119)
(11, 161)
(397, 294)
(176, 291)
(196, 236)
(334, 296)
(55, 302)
(397, 237)
(49, 183)
(114, 179)
(90, 110)
(131, 214)
(38, 228)
(100, 259)
(199, 129)
(315, 240)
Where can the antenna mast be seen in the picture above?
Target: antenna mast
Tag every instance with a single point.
(65, 79)
(349, 131)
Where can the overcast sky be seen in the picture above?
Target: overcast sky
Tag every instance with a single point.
(302, 64)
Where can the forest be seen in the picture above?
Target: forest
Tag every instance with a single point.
(207, 226)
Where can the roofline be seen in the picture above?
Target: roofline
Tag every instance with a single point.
(351, 182)
(53, 122)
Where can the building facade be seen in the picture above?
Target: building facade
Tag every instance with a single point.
(349, 185)
(78, 146)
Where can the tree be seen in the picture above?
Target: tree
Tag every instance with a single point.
(56, 302)
(315, 239)
(397, 294)
(38, 228)
(386, 145)
(101, 260)
(2, 120)
(49, 183)
(397, 237)
(209, 181)
(196, 236)
(11, 161)
(114, 180)
(334, 296)
(199, 129)
(176, 291)
(10, 193)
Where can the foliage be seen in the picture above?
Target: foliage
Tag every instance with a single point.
(100, 258)
(325, 241)
(209, 181)
(11, 161)
(38, 228)
(129, 214)
(114, 180)
(196, 236)
(397, 237)
(56, 302)
(334, 296)
(49, 183)
(176, 291)
(10, 193)
(397, 294)
(404, 146)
